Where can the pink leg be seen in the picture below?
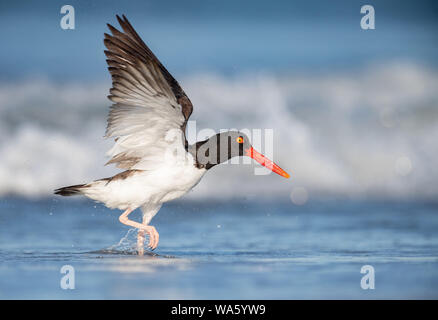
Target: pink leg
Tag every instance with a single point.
(140, 242)
(150, 230)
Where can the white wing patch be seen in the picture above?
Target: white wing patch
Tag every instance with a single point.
(145, 110)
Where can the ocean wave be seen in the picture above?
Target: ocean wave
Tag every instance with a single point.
(369, 132)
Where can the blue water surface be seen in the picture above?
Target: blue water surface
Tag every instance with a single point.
(221, 250)
(228, 37)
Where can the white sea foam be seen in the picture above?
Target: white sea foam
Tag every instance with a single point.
(335, 133)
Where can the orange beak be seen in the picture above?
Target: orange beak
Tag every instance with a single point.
(266, 162)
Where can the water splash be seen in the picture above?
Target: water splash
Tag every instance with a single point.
(127, 244)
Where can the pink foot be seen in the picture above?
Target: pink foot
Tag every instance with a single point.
(153, 236)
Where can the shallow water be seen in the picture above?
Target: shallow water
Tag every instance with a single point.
(241, 249)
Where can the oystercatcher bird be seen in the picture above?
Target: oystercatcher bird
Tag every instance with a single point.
(148, 119)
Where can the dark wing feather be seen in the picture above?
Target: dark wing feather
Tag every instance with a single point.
(148, 102)
(126, 47)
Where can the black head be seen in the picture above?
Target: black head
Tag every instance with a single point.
(220, 148)
(226, 145)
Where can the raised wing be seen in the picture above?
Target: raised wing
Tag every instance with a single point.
(148, 101)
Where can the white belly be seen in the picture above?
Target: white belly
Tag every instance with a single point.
(156, 186)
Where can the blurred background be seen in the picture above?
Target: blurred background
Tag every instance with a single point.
(354, 114)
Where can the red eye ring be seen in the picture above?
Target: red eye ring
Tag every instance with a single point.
(239, 140)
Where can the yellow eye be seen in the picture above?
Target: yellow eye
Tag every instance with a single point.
(239, 140)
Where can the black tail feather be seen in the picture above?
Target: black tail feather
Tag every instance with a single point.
(70, 191)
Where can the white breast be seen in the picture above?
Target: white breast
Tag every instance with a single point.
(164, 183)
(169, 183)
